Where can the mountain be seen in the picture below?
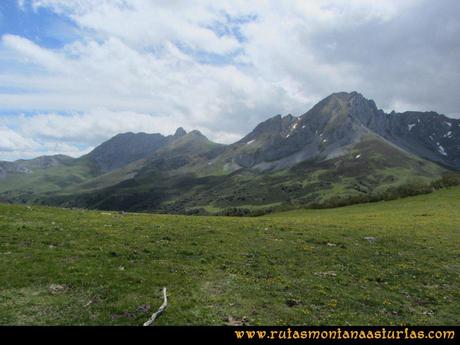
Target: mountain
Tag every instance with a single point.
(427, 134)
(190, 149)
(42, 174)
(126, 148)
(23, 179)
(24, 166)
(344, 147)
(334, 125)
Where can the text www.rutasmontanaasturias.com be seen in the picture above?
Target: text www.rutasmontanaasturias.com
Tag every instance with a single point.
(339, 334)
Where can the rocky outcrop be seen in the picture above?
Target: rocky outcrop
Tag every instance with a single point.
(338, 122)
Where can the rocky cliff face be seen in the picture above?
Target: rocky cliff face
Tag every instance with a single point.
(335, 125)
(425, 134)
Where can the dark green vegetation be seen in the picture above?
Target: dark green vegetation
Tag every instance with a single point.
(342, 151)
(391, 262)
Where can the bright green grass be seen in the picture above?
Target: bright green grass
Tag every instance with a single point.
(48, 180)
(216, 267)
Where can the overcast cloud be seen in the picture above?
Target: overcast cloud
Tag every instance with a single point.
(98, 68)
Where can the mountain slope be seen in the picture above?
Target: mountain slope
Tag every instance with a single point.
(24, 166)
(146, 183)
(326, 131)
(126, 148)
(169, 184)
(23, 178)
(426, 134)
(344, 147)
(183, 154)
(334, 125)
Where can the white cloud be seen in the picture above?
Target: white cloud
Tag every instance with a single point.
(16, 144)
(54, 148)
(29, 52)
(91, 127)
(147, 24)
(11, 141)
(222, 67)
(67, 134)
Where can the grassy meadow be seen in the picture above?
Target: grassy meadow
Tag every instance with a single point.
(395, 262)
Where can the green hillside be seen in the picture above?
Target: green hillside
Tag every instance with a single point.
(49, 179)
(173, 180)
(391, 262)
(342, 151)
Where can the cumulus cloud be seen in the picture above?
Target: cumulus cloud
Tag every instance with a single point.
(10, 141)
(221, 67)
(91, 127)
(16, 144)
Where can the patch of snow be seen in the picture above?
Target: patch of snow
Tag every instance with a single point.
(357, 156)
(294, 126)
(287, 136)
(448, 123)
(411, 126)
(324, 140)
(431, 137)
(304, 126)
(418, 120)
(250, 142)
(448, 134)
(441, 149)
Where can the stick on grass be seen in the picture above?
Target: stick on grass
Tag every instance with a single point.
(159, 311)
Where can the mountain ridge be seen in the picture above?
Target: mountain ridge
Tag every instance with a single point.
(344, 145)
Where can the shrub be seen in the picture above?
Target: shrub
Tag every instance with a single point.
(235, 212)
(449, 179)
(416, 187)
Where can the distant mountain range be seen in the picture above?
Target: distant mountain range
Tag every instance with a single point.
(343, 147)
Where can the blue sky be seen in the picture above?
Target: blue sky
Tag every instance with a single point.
(73, 73)
(42, 26)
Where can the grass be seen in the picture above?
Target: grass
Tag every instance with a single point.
(52, 179)
(172, 182)
(383, 263)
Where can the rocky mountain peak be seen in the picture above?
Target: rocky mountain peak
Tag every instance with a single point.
(273, 126)
(196, 133)
(125, 148)
(180, 132)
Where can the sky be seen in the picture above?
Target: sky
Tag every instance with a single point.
(74, 73)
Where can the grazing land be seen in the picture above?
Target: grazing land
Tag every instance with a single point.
(395, 262)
